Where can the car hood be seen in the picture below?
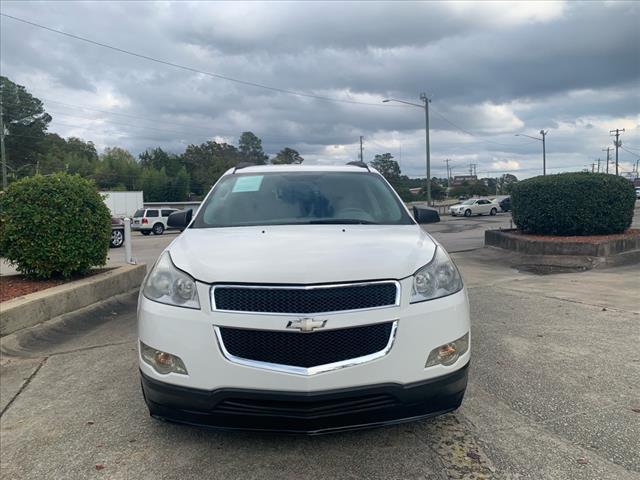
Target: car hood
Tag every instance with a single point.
(304, 254)
(458, 205)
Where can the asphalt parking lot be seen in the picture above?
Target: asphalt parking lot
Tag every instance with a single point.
(554, 392)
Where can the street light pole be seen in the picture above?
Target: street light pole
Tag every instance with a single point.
(544, 149)
(423, 97)
(544, 152)
(426, 100)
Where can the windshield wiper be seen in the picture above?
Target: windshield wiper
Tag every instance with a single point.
(341, 221)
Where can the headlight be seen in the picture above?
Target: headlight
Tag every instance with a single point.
(167, 284)
(438, 278)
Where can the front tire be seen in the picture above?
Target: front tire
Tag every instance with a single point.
(493, 212)
(467, 213)
(158, 229)
(117, 238)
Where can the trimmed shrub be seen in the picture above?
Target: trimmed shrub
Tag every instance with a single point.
(573, 204)
(56, 225)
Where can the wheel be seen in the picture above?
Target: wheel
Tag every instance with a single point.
(117, 238)
(467, 213)
(158, 229)
(493, 212)
(145, 232)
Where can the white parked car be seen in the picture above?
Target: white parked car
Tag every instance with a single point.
(148, 220)
(302, 299)
(474, 206)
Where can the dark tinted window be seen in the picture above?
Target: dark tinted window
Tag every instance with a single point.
(301, 198)
(166, 213)
(138, 214)
(152, 213)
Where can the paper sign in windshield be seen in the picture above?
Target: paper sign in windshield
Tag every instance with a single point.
(250, 183)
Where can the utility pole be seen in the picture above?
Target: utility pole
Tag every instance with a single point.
(2, 154)
(361, 157)
(593, 167)
(607, 150)
(425, 99)
(617, 144)
(448, 174)
(598, 165)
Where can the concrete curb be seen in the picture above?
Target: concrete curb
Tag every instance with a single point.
(38, 307)
(602, 248)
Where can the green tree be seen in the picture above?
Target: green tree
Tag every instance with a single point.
(250, 147)
(72, 155)
(287, 156)
(387, 166)
(206, 162)
(506, 183)
(25, 122)
(154, 183)
(178, 190)
(157, 158)
(117, 169)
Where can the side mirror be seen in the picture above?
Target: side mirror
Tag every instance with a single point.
(180, 220)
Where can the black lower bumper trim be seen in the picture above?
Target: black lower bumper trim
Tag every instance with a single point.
(308, 413)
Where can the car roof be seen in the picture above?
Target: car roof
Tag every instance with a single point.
(299, 168)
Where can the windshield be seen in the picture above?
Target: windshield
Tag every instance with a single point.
(468, 202)
(301, 198)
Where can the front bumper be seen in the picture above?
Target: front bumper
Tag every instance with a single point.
(306, 412)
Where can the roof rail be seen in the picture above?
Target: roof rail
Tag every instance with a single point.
(359, 164)
(242, 165)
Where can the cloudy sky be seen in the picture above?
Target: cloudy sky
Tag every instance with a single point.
(491, 69)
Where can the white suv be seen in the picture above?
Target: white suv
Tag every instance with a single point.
(302, 299)
(151, 220)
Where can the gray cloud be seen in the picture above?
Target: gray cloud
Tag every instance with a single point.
(493, 69)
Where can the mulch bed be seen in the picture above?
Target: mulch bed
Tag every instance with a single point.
(13, 286)
(631, 233)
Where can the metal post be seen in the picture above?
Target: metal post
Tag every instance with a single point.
(2, 154)
(128, 256)
(361, 155)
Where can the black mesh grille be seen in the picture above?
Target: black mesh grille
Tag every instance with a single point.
(299, 300)
(306, 349)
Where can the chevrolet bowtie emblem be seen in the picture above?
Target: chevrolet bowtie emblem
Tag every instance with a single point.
(306, 324)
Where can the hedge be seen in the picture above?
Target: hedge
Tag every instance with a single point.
(54, 225)
(573, 204)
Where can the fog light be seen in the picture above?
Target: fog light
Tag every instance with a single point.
(448, 353)
(162, 362)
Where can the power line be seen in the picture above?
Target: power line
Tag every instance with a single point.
(193, 69)
(626, 150)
